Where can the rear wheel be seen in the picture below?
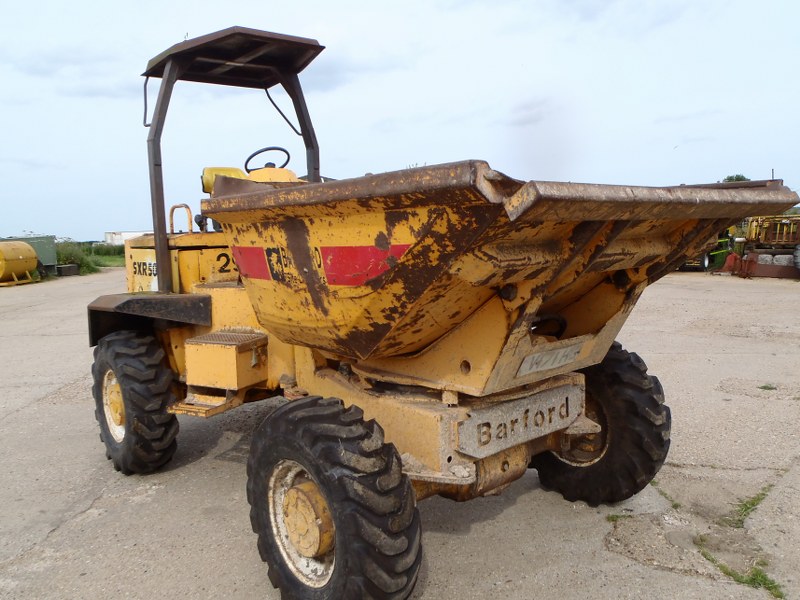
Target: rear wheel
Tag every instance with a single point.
(620, 460)
(132, 390)
(335, 516)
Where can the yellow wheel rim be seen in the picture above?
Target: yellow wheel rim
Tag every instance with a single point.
(113, 406)
(301, 523)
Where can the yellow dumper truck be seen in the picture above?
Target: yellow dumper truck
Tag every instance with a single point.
(432, 331)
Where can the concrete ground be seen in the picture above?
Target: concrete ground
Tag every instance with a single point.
(725, 349)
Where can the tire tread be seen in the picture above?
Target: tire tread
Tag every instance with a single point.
(138, 363)
(377, 515)
(639, 422)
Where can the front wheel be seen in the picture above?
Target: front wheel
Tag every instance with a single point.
(620, 460)
(336, 517)
(132, 390)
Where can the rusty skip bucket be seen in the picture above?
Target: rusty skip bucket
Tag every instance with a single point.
(462, 264)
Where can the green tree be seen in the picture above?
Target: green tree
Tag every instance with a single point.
(737, 177)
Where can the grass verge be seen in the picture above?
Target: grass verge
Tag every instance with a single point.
(108, 261)
(71, 253)
(88, 257)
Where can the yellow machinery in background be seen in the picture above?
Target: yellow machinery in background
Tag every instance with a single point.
(772, 247)
(779, 231)
(18, 261)
(437, 330)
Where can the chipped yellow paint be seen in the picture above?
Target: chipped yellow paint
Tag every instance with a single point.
(231, 310)
(423, 428)
(229, 364)
(269, 174)
(290, 311)
(496, 289)
(196, 258)
(309, 522)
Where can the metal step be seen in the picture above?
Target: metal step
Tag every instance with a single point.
(204, 404)
(242, 340)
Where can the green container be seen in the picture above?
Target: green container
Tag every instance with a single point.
(45, 246)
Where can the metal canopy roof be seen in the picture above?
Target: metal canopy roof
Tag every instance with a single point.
(238, 56)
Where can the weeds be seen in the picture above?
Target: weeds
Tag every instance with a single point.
(615, 518)
(71, 253)
(754, 578)
(89, 257)
(744, 508)
(768, 387)
(108, 260)
(674, 503)
(103, 249)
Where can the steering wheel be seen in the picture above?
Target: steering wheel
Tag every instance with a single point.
(267, 149)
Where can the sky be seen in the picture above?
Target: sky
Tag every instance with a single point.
(638, 92)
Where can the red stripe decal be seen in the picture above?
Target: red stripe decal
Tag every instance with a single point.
(252, 262)
(355, 265)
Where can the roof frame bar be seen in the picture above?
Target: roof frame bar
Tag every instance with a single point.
(172, 72)
(176, 62)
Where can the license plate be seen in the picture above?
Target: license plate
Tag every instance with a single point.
(551, 359)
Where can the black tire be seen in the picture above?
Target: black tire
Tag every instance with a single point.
(376, 549)
(140, 438)
(623, 458)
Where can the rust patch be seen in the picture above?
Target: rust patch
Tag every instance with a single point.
(363, 341)
(683, 241)
(395, 218)
(382, 242)
(297, 242)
